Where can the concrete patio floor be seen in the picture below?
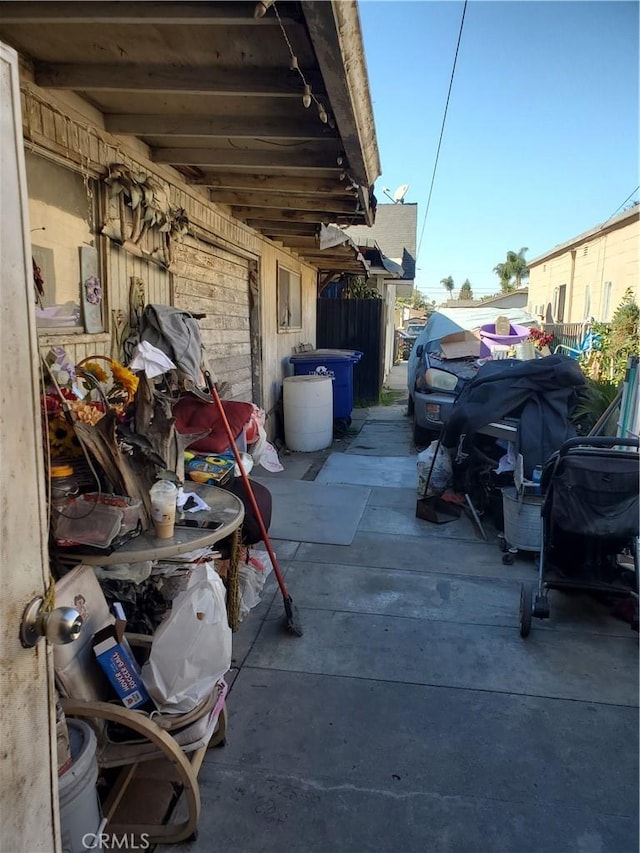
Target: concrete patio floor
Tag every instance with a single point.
(411, 716)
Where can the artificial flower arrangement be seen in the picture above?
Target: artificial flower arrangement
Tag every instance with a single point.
(84, 393)
(539, 338)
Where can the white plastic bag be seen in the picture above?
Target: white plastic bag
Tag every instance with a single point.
(191, 650)
(252, 576)
(441, 475)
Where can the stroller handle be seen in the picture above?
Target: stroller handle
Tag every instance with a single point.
(602, 441)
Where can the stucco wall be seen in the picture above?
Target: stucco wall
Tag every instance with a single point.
(75, 138)
(587, 266)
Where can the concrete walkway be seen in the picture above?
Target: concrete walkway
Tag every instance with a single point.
(411, 716)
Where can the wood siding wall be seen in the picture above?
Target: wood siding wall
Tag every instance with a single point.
(213, 282)
(51, 127)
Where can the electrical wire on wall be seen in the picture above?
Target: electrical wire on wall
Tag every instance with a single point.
(444, 119)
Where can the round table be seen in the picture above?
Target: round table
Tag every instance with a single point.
(225, 508)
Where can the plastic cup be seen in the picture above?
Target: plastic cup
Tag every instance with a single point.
(163, 496)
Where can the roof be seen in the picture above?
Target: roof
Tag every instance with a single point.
(210, 88)
(610, 224)
(394, 231)
(522, 291)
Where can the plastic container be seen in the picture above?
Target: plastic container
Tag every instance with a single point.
(489, 339)
(336, 364)
(522, 520)
(308, 412)
(64, 486)
(131, 508)
(80, 815)
(525, 350)
(163, 496)
(82, 524)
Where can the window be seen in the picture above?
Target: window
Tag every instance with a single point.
(587, 302)
(289, 300)
(62, 210)
(559, 296)
(606, 302)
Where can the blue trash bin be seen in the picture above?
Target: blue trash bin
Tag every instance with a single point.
(336, 363)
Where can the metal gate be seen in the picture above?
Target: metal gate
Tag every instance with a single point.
(355, 324)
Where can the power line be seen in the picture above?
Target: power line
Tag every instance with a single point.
(444, 118)
(631, 194)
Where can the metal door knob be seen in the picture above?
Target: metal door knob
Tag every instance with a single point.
(59, 626)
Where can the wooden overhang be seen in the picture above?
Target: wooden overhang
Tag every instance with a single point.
(212, 90)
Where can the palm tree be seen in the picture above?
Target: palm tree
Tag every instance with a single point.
(448, 284)
(465, 290)
(513, 271)
(518, 265)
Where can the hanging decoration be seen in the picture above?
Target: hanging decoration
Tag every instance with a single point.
(307, 94)
(143, 209)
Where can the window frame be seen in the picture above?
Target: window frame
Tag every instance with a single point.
(289, 326)
(607, 287)
(99, 243)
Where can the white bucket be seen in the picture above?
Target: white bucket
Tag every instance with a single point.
(308, 412)
(80, 815)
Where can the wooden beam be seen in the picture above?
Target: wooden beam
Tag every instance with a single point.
(217, 127)
(209, 80)
(335, 264)
(270, 183)
(309, 242)
(334, 29)
(266, 213)
(324, 281)
(283, 229)
(285, 202)
(243, 158)
(176, 13)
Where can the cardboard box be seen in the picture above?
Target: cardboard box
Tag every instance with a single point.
(118, 664)
(460, 345)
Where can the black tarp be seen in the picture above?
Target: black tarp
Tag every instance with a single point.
(542, 393)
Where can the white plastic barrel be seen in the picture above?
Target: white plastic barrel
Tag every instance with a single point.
(80, 815)
(308, 412)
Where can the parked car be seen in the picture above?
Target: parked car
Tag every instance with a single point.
(408, 337)
(434, 380)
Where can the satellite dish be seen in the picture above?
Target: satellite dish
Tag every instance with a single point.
(400, 193)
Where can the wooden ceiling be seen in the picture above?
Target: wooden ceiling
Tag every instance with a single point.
(209, 87)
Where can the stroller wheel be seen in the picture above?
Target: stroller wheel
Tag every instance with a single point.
(502, 543)
(508, 558)
(526, 608)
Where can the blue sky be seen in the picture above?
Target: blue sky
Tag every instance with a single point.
(541, 139)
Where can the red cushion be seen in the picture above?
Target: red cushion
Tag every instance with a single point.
(194, 415)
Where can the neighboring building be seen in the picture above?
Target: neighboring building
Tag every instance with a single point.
(587, 276)
(390, 246)
(515, 299)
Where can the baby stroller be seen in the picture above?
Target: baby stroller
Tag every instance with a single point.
(589, 524)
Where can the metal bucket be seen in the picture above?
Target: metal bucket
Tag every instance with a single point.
(522, 520)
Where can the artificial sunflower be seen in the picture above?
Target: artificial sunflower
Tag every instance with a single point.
(62, 438)
(96, 371)
(124, 377)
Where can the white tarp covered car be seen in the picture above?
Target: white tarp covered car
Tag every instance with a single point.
(434, 379)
